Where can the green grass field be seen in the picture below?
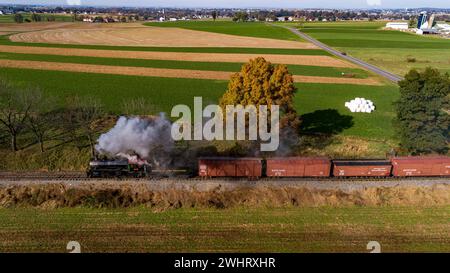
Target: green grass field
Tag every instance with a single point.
(9, 18)
(324, 229)
(164, 93)
(316, 101)
(250, 29)
(214, 66)
(387, 49)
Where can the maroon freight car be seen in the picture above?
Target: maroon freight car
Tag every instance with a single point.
(298, 166)
(230, 166)
(361, 168)
(421, 166)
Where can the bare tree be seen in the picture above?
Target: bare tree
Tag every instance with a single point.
(15, 107)
(82, 114)
(42, 118)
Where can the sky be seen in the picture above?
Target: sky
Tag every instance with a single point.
(247, 3)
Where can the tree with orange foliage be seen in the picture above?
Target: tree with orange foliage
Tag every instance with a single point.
(261, 83)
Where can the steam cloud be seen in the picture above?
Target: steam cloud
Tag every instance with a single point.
(150, 139)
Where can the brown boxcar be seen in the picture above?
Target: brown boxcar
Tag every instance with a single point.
(298, 166)
(230, 166)
(421, 166)
(361, 168)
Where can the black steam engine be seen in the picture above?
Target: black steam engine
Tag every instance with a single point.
(118, 168)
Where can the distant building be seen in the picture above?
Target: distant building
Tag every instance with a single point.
(397, 25)
(444, 28)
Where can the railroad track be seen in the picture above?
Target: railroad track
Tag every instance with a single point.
(81, 176)
(43, 176)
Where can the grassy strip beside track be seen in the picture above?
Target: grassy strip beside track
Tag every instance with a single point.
(210, 66)
(4, 40)
(164, 93)
(250, 29)
(289, 229)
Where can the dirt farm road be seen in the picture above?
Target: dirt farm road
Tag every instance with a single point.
(374, 69)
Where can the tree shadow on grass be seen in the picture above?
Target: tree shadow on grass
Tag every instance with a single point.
(320, 126)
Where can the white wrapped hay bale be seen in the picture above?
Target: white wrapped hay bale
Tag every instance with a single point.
(360, 105)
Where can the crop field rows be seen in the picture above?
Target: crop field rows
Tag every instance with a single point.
(169, 75)
(237, 230)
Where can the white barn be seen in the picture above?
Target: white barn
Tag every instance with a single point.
(397, 25)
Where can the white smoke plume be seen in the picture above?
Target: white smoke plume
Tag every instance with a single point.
(150, 139)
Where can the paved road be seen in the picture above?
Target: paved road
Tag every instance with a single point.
(381, 72)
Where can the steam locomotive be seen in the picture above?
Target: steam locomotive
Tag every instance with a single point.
(118, 168)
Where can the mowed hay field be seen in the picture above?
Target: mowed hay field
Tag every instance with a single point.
(166, 74)
(392, 50)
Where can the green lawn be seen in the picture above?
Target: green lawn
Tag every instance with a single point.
(251, 29)
(385, 48)
(214, 66)
(164, 93)
(290, 229)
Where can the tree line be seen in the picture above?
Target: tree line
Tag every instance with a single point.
(29, 116)
(26, 111)
(19, 18)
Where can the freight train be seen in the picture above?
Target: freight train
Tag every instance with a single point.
(277, 167)
(251, 167)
